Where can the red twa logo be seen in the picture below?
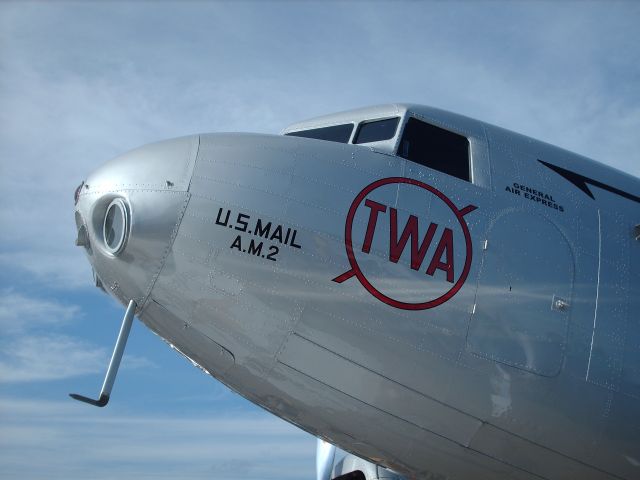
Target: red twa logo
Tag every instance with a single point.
(441, 263)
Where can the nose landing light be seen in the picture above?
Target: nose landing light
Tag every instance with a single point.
(115, 228)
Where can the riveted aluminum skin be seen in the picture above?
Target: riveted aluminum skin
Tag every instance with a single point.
(152, 181)
(528, 370)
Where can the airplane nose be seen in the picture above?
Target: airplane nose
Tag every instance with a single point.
(128, 212)
(165, 165)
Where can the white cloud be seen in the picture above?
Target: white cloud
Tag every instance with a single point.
(70, 439)
(51, 357)
(27, 354)
(19, 312)
(31, 352)
(57, 268)
(135, 362)
(37, 358)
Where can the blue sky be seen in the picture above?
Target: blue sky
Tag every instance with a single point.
(83, 82)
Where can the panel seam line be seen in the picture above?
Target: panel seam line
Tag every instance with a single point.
(595, 313)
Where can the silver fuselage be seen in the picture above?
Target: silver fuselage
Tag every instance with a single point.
(508, 347)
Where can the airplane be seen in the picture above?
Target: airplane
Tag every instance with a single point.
(429, 295)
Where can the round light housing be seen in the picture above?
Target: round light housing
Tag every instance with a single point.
(116, 226)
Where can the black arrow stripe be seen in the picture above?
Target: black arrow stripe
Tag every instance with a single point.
(583, 182)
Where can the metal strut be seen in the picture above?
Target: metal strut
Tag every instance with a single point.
(116, 357)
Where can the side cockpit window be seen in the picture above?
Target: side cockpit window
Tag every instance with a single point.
(334, 133)
(376, 131)
(435, 148)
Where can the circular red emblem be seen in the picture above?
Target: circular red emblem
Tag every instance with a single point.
(357, 271)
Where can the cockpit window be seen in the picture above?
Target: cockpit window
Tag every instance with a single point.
(435, 148)
(334, 133)
(377, 130)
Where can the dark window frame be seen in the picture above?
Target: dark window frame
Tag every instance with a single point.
(367, 123)
(436, 148)
(338, 132)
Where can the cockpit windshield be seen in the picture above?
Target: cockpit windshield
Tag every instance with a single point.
(377, 130)
(401, 130)
(334, 133)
